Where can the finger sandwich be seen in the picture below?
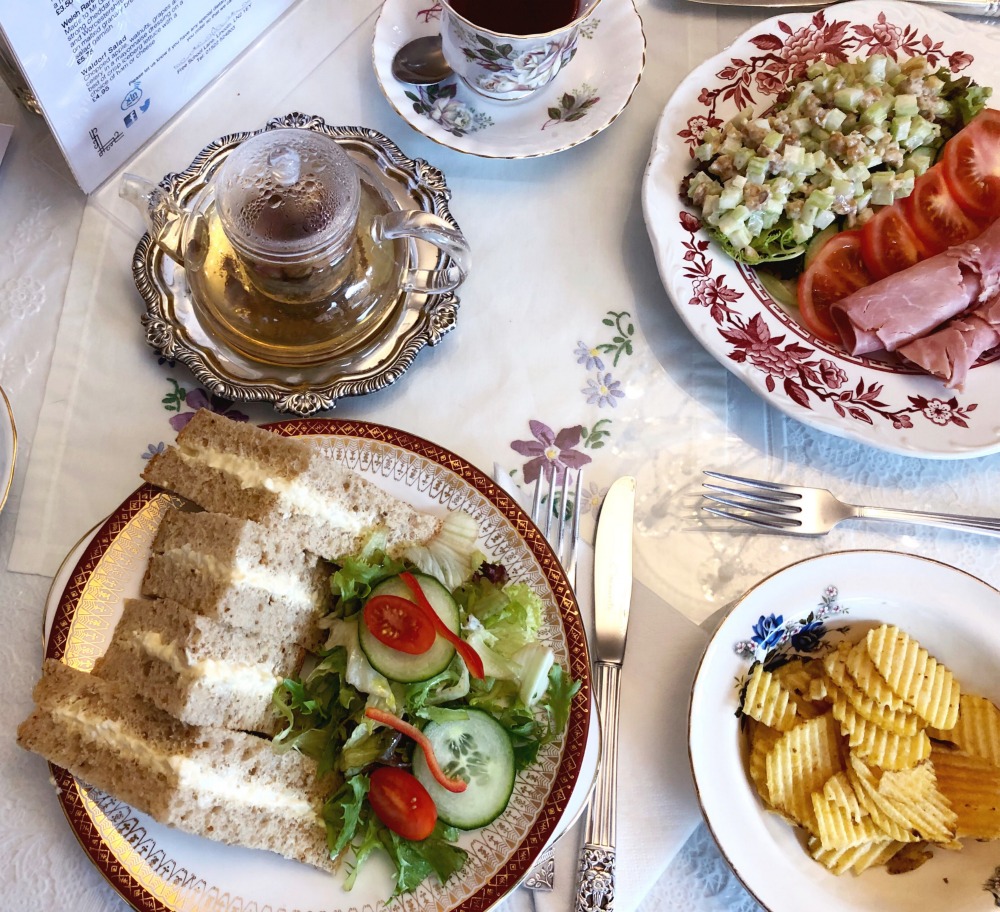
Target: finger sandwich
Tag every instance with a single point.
(229, 786)
(237, 572)
(201, 671)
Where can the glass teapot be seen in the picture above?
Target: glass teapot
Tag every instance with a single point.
(294, 253)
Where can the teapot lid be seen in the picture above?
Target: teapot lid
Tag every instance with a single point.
(286, 193)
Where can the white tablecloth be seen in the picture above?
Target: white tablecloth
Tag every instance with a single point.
(560, 247)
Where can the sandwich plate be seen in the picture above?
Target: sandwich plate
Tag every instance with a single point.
(872, 400)
(805, 609)
(155, 867)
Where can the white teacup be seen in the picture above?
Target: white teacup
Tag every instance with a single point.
(506, 66)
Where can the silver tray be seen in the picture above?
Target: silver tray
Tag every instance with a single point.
(175, 330)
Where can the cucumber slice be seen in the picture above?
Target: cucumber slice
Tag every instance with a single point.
(399, 666)
(478, 750)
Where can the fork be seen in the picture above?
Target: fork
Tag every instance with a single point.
(814, 511)
(545, 507)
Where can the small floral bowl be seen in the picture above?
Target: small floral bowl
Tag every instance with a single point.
(508, 67)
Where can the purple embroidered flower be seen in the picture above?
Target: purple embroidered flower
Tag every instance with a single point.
(154, 449)
(550, 449)
(591, 499)
(603, 391)
(590, 357)
(199, 399)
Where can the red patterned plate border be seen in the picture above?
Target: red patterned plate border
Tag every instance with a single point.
(78, 641)
(872, 400)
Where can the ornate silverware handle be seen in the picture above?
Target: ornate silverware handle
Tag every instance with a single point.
(965, 7)
(595, 890)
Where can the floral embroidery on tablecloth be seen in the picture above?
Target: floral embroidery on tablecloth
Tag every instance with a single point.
(184, 404)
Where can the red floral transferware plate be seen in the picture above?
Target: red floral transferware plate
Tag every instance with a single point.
(156, 868)
(875, 400)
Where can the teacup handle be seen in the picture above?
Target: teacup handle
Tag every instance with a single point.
(426, 226)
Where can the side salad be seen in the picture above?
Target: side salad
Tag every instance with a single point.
(845, 141)
(427, 701)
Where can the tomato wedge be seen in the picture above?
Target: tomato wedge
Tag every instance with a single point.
(938, 220)
(468, 654)
(401, 802)
(836, 271)
(972, 165)
(888, 243)
(411, 731)
(400, 624)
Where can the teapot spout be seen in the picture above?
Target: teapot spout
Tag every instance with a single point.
(164, 219)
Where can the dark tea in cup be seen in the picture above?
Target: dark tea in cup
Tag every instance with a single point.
(518, 17)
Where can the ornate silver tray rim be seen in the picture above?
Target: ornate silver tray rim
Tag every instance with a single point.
(173, 329)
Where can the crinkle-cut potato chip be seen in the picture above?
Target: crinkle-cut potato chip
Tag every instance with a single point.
(797, 677)
(900, 721)
(855, 858)
(870, 682)
(767, 701)
(877, 746)
(977, 730)
(914, 675)
(762, 739)
(906, 804)
(972, 785)
(838, 828)
(799, 764)
(839, 791)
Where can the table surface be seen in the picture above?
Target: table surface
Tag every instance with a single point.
(563, 236)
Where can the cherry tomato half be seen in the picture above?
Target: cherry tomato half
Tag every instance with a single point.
(400, 624)
(836, 271)
(972, 165)
(888, 243)
(938, 220)
(402, 803)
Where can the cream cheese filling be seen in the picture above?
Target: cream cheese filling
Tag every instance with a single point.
(286, 586)
(253, 680)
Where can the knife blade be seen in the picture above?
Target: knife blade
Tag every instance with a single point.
(612, 599)
(985, 8)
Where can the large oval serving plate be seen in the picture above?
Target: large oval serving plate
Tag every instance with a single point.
(155, 867)
(8, 447)
(880, 403)
(804, 609)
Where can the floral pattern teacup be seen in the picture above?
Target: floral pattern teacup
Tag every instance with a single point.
(508, 67)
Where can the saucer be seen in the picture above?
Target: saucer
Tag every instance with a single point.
(8, 446)
(176, 329)
(585, 98)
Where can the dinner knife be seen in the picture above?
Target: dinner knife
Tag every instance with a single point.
(595, 888)
(984, 8)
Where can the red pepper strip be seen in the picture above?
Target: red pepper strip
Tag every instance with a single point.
(404, 728)
(468, 654)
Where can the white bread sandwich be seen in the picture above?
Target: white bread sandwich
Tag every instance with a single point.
(229, 786)
(199, 670)
(292, 485)
(237, 572)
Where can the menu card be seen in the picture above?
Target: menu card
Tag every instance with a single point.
(107, 74)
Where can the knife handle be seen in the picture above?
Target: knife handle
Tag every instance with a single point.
(964, 7)
(596, 876)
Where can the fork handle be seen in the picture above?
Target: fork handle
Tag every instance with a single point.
(595, 887)
(981, 524)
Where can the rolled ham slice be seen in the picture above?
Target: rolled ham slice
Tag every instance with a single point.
(949, 352)
(905, 306)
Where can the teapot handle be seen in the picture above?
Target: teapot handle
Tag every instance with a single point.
(425, 226)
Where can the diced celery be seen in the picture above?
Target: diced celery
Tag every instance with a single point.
(772, 140)
(704, 152)
(876, 67)
(848, 98)
(843, 189)
(756, 170)
(905, 106)
(877, 112)
(730, 198)
(801, 232)
(882, 188)
(834, 120)
(899, 129)
(919, 160)
(823, 219)
(904, 184)
(739, 237)
(732, 144)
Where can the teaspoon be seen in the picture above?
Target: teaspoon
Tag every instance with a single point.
(421, 61)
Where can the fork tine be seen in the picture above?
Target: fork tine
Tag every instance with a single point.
(769, 489)
(771, 508)
(773, 523)
(774, 497)
(575, 534)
